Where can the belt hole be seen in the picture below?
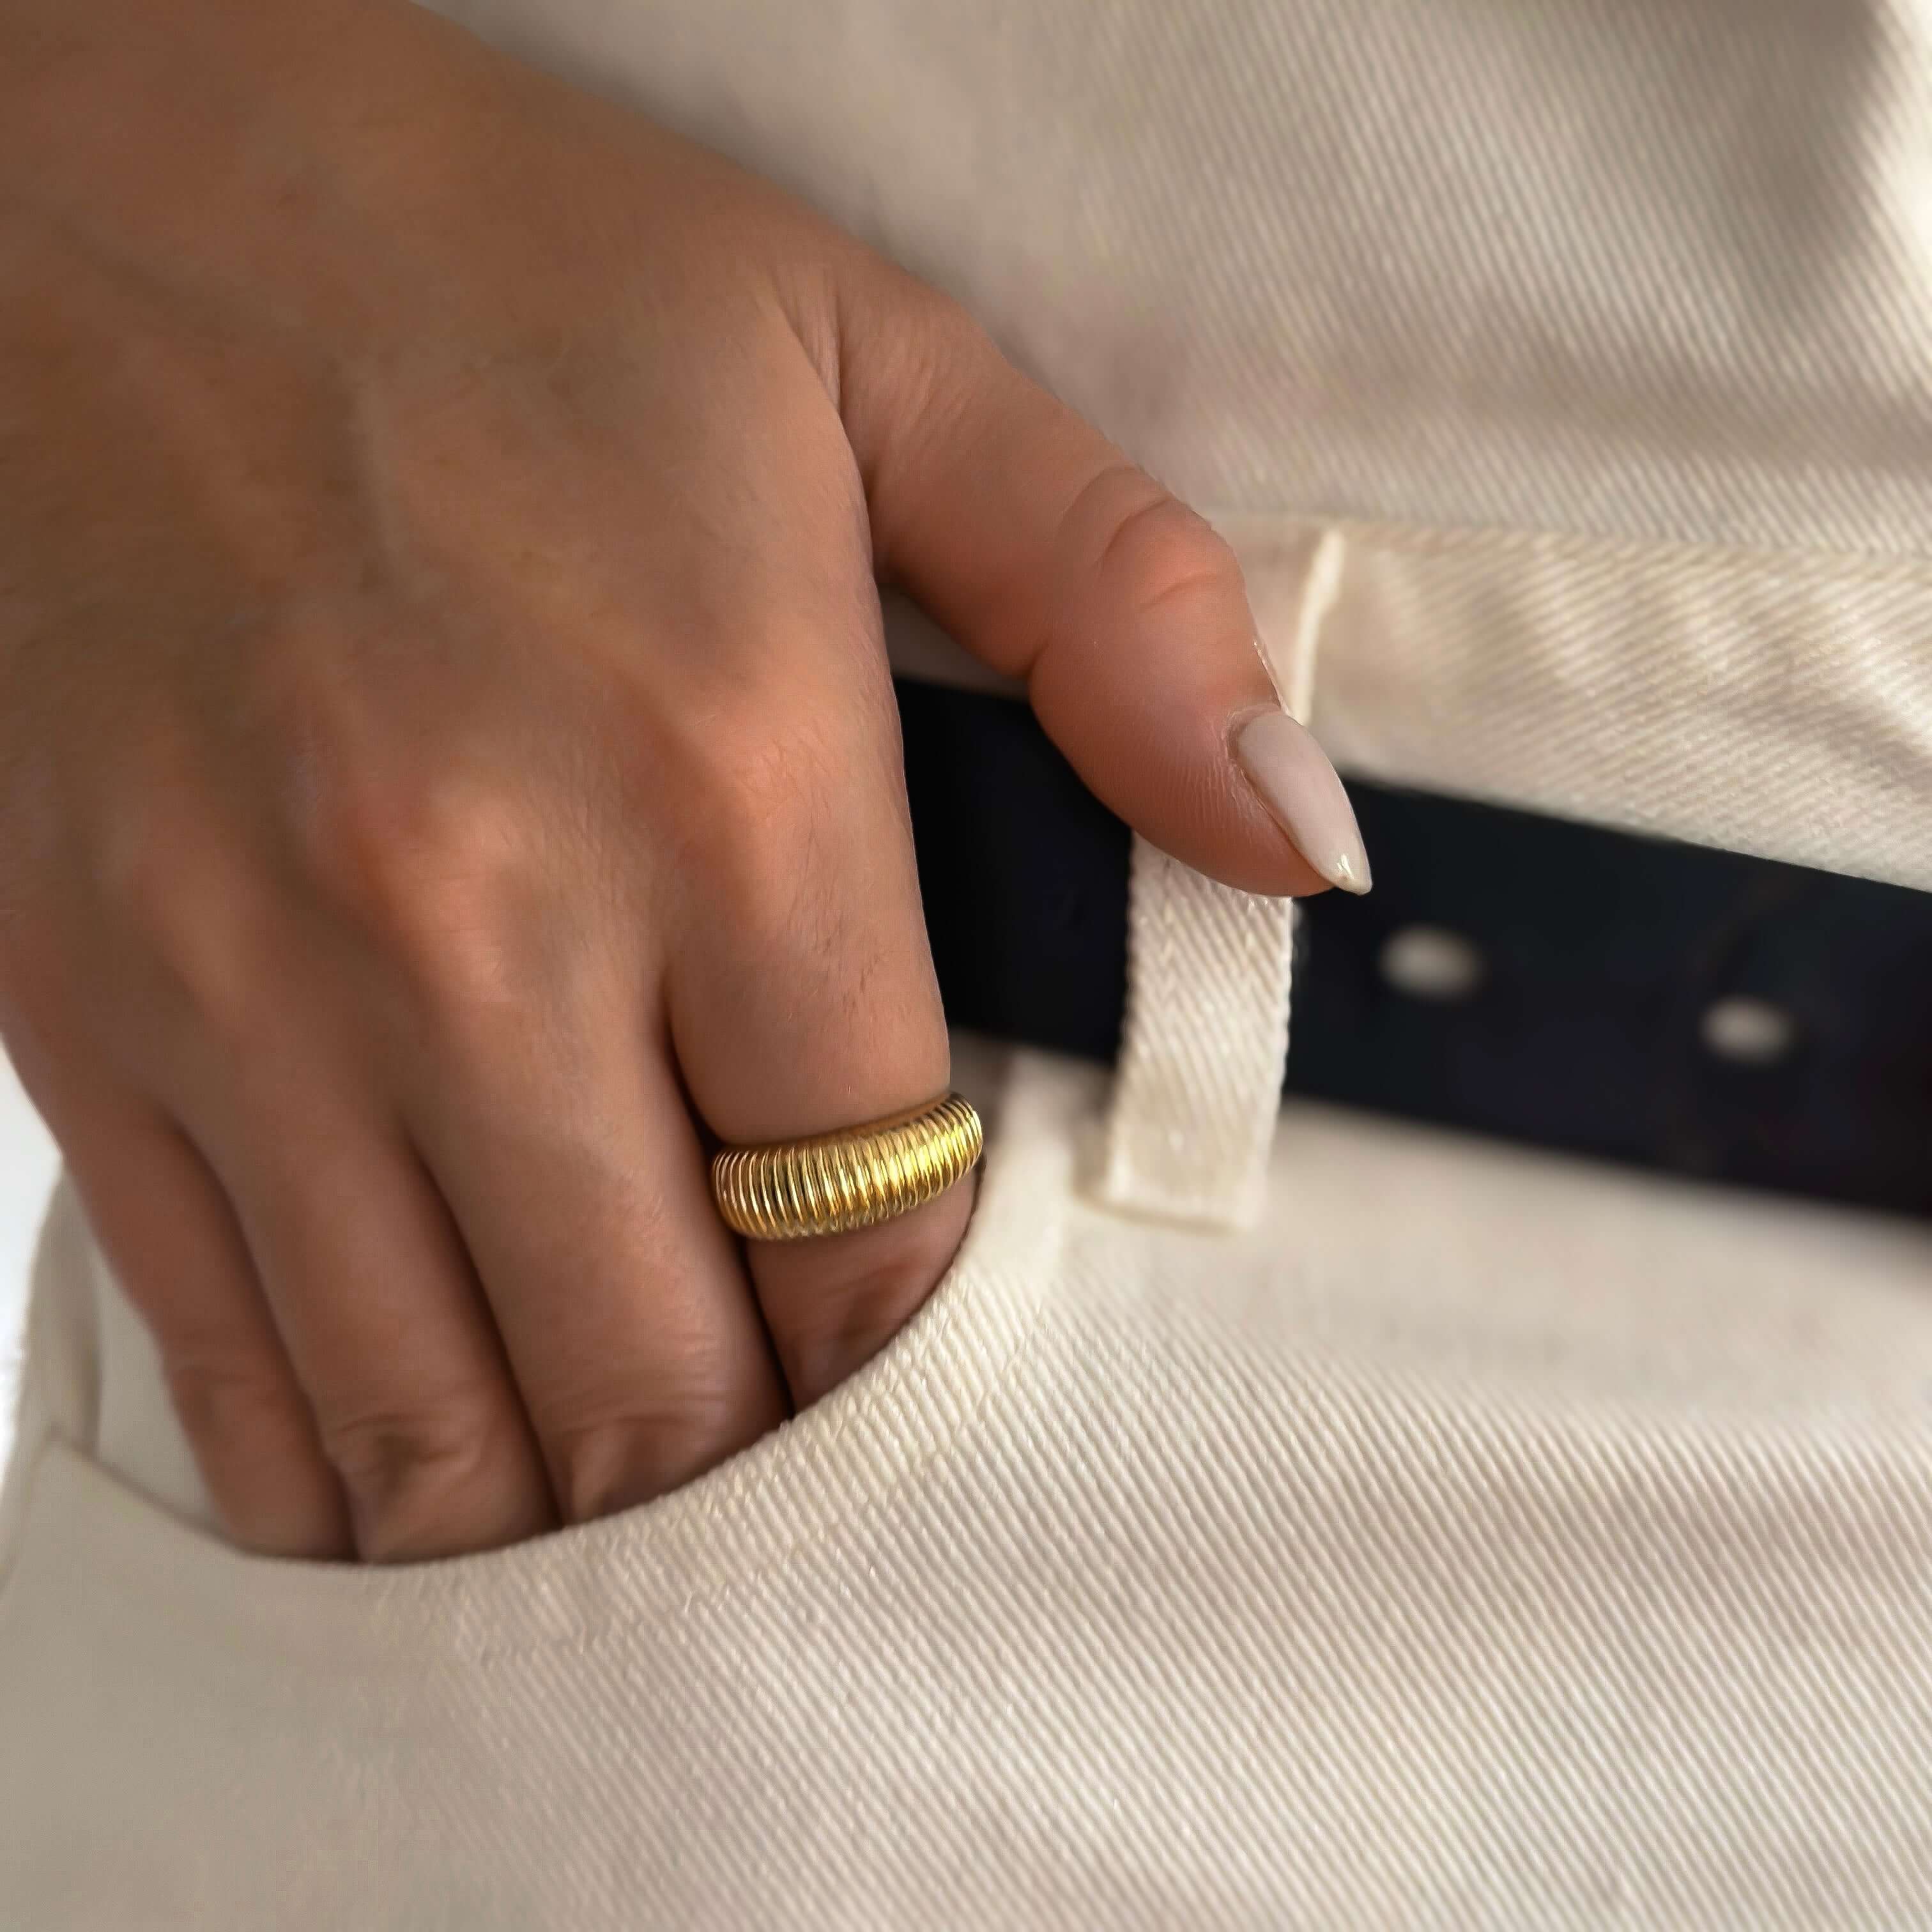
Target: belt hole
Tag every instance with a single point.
(1428, 962)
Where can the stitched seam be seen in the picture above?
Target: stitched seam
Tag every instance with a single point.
(866, 1512)
(1050, 1239)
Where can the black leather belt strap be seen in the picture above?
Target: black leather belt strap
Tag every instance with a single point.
(1692, 1011)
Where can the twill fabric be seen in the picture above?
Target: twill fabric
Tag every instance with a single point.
(1591, 316)
(1483, 1538)
(1277, 1517)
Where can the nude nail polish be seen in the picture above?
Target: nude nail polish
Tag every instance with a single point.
(1303, 790)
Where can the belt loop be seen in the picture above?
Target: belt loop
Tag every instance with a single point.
(1198, 1081)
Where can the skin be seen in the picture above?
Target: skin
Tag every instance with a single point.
(448, 775)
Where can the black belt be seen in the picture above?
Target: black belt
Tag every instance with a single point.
(1696, 1012)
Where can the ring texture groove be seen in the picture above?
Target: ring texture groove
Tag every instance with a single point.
(830, 1184)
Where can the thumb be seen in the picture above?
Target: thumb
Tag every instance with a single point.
(1036, 544)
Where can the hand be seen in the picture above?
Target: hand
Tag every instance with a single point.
(448, 762)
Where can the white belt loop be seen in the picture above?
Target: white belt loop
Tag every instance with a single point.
(1199, 1083)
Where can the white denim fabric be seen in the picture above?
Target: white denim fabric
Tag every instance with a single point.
(1606, 324)
(1349, 1524)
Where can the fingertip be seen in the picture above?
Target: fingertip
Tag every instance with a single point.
(1151, 671)
(1304, 793)
(1154, 740)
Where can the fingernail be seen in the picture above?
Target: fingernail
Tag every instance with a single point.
(1303, 791)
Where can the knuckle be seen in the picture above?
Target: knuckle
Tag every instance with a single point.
(767, 799)
(228, 1401)
(406, 1472)
(1159, 549)
(617, 1461)
(946, 352)
(254, 1441)
(424, 847)
(923, 344)
(197, 912)
(434, 866)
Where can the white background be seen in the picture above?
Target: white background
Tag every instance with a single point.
(27, 1164)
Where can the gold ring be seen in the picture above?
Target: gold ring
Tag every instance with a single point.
(859, 1176)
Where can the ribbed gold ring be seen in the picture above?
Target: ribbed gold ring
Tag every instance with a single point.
(831, 1182)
